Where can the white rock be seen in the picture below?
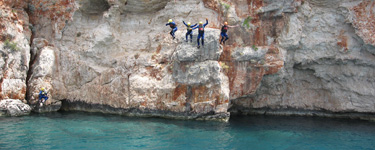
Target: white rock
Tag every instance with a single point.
(13, 107)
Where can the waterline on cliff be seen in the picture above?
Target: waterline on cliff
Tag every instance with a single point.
(145, 112)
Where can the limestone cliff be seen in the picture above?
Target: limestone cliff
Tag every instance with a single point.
(116, 56)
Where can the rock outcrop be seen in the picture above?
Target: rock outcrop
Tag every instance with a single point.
(328, 63)
(15, 50)
(116, 56)
(40, 75)
(13, 107)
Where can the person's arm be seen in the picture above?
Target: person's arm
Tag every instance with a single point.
(167, 24)
(194, 25)
(206, 23)
(233, 26)
(184, 23)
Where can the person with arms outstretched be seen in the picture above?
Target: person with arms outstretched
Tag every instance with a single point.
(189, 31)
(173, 26)
(201, 27)
(224, 30)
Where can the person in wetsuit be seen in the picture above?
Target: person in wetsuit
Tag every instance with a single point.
(224, 30)
(173, 26)
(189, 31)
(200, 28)
(42, 95)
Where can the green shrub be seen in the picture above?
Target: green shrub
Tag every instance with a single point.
(247, 21)
(10, 45)
(226, 6)
(255, 48)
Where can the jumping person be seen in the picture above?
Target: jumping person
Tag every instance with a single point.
(201, 27)
(42, 95)
(173, 26)
(189, 31)
(223, 34)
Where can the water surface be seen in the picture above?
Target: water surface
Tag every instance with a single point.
(95, 131)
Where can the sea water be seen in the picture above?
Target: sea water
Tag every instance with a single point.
(77, 130)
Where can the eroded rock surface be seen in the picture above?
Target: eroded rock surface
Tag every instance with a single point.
(116, 56)
(328, 63)
(14, 49)
(13, 107)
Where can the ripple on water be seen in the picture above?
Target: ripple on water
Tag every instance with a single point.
(95, 131)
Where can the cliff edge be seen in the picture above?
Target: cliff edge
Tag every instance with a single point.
(293, 57)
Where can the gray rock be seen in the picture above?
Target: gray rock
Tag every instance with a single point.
(14, 57)
(278, 7)
(249, 53)
(52, 107)
(327, 67)
(42, 72)
(207, 72)
(210, 51)
(13, 107)
(136, 6)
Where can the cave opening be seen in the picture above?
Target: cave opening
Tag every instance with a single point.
(93, 7)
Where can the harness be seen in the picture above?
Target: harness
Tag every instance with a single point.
(172, 25)
(201, 29)
(224, 29)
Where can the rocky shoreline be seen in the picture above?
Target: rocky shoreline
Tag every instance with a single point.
(307, 113)
(289, 57)
(137, 112)
(17, 108)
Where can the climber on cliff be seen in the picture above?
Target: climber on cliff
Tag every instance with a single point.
(173, 26)
(189, 31)
(201, 27)
(42, 95)
(223, 34)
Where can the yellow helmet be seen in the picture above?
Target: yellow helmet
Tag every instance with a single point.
(226, 23)
(201, 22)
(42, 89)
(188, 23)
(170, 20)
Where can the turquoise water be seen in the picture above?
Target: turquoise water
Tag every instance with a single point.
(96, 131)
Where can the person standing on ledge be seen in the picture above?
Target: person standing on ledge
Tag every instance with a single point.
(189, 31)
(201, 27)
(223, 34)
(42, 95)
(173, 26)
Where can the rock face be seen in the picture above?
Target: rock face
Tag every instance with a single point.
(12, 107)
(328, 63)
(116, 56)
(40, 75)
(14, 49)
